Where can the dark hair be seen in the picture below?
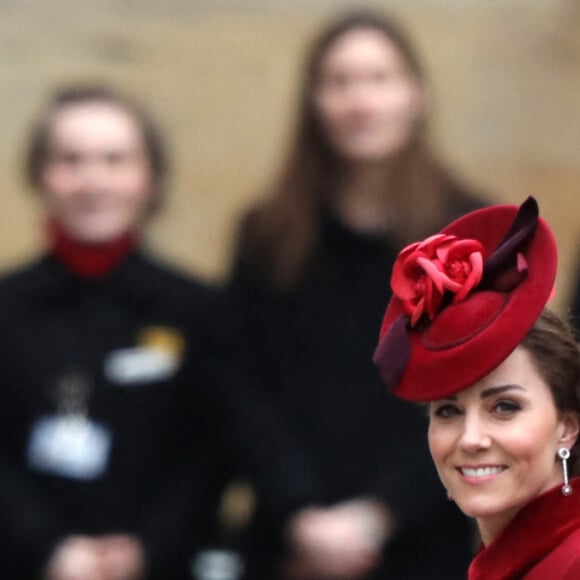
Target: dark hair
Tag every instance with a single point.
(278, 236)
(556, 355)
(38, 148)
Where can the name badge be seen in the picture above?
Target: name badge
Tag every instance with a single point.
(131, 366)
(69, 446)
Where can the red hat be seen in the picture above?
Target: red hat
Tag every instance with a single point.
(464, 299)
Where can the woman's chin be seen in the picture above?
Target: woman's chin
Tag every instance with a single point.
(481, 509)
(91, 233)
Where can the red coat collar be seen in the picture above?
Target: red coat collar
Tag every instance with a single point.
(88, 260)
(533, 533)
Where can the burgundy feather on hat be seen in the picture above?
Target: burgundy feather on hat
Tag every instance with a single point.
(464, 299)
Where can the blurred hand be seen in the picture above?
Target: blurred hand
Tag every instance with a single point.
(343, 542)
(122, 557)
(111, 557)
(76, 558)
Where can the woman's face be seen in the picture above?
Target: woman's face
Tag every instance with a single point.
(367, 99)
(97, 180)
(495, 443)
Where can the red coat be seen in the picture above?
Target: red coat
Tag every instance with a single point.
(542, 542)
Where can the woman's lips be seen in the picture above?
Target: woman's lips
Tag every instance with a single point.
(480, 473)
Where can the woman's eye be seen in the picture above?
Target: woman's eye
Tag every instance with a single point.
(506, 407)
(66, 159)
(446, 411)
(115, 158)
(336, 81)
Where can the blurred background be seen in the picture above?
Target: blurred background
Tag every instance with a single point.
(220, 77)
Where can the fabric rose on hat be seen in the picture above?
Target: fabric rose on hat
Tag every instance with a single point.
(425, 270)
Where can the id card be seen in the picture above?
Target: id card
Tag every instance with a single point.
(69, 446)
(140, 365)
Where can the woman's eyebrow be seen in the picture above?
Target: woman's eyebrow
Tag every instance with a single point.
(500, 389)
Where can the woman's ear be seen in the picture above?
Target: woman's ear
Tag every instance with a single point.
(570, 422)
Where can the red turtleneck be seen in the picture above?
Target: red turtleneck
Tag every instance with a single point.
(88, 260)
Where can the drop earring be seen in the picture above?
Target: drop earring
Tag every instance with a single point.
(564, 455)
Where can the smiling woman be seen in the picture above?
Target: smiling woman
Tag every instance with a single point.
(502, 378)
(494, 443)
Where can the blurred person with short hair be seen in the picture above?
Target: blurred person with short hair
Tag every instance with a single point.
(360, 181)
(106, 455)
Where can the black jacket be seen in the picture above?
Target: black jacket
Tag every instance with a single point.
(312, 350)
(158, 474)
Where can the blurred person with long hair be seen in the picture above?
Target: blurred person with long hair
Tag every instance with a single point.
(105, 458)
(360, 180)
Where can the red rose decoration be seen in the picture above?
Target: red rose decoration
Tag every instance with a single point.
(424, 271)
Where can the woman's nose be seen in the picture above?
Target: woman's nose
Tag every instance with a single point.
(474, 436)
(93, 177)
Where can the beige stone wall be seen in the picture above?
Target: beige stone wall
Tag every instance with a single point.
(221, 76)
